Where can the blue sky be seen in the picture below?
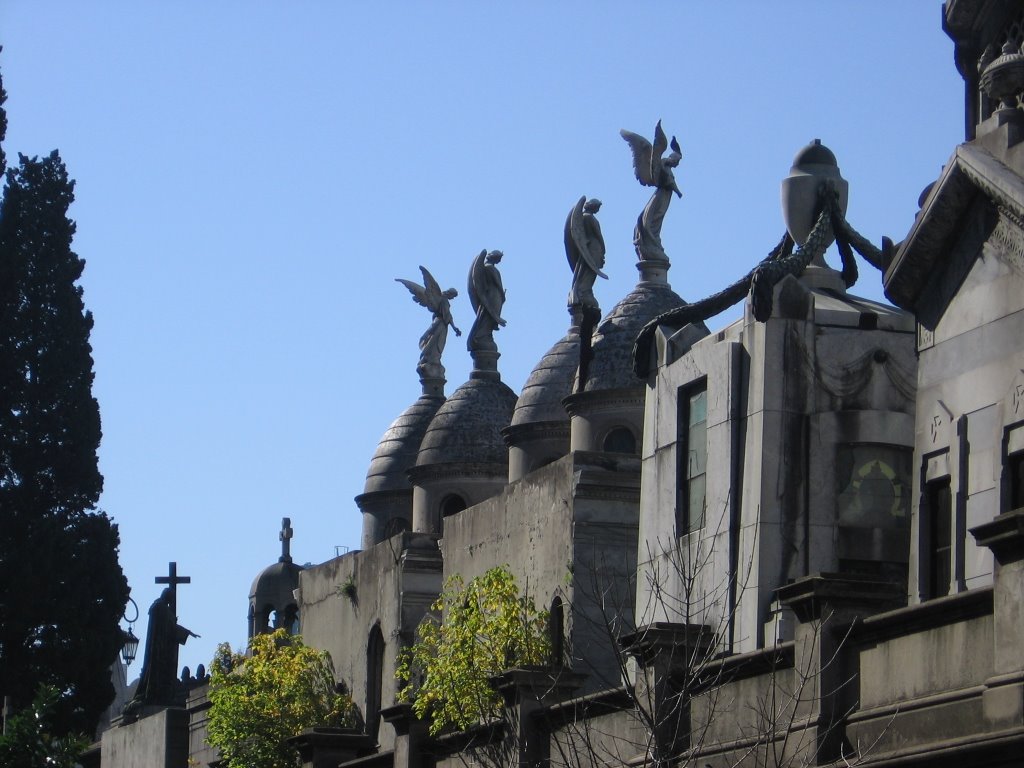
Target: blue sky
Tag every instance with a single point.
(251, 177)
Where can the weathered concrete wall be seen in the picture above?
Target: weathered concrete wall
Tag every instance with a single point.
(923, 671)
(392, 585)
(199, 752)
(527, 527)
(569, 530)
(157, 741)
(615, 738)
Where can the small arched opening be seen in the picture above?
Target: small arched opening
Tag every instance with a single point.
(620, 440)
(452, 504)
(556, 631)
(374, 679)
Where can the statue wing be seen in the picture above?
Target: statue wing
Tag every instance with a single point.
(573, 223)
(579, 240)
(486, 289)
(477, 280)
(642, 157)
(419, 293)
(660, 145)
(432, 289)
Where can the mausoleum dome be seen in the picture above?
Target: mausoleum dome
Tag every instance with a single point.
(386, 500)
(397, 450)
(539, 432)
(272, 603)
(275, 584)
(549, 383)
(467, 428)
(611, 366)
(463, 459)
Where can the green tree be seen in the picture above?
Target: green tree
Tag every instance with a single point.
(486, 626)
(260, 701)
(62, 591)
(30, 740)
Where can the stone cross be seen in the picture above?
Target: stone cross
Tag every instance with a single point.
(285, 536)
(173, 579)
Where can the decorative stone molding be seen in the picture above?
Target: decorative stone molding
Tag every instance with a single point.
(1004, 535)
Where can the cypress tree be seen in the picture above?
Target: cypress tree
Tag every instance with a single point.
(62, 591)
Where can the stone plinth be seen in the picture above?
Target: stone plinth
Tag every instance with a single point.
(159, 740)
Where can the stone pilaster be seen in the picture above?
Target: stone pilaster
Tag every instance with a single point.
(1003, 699)
(525, 690)
(667, 654)
(826, 661)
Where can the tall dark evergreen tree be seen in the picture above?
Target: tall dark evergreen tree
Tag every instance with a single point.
(62, 591)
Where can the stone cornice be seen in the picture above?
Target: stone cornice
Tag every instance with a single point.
(366, 501)
(458, 470)
(583, 403)
(517, 434)
(971, 171)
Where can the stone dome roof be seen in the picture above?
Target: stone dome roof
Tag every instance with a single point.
(549, 383)
(611, 367)
(397, 450)
(275, 584)
(467, 428)
(814, 153)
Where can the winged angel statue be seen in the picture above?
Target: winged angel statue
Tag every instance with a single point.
(487, 296)
(433, 340)
(584, 247)
(653, 170)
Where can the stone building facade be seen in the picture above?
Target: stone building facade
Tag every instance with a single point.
(808, 527)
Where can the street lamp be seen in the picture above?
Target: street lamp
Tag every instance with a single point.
(129, 642)
(130, 646)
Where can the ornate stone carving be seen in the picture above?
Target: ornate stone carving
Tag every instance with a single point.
(487, 296)
(433, 340)
(584, 248)
(653, 170)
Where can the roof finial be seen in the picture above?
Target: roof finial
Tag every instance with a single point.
(286, 540)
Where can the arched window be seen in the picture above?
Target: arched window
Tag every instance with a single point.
(556, 631)
(620, 440)
(452, 505)
(374, 679)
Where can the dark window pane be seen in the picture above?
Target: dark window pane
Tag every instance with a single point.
(940, 514)
(1016, 466)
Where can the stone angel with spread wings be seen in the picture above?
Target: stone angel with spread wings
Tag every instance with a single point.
(584, 248)
(653, 170)
(434, 338)
(487, 296)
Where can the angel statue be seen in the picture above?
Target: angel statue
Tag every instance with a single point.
(653, 170)
(487, 297)
(584, 247)
(433, 340)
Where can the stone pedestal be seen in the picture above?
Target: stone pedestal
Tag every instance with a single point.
(156, 740)
(1003, 699)
(826, 662)
(327, 747)
(411, 736)
(666, 654)
(524, 690)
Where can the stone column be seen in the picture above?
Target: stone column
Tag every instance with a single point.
(826, 661)
(1003, 699)
(666, 654)
(524, 690)
(411, 736)
(327, 747)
